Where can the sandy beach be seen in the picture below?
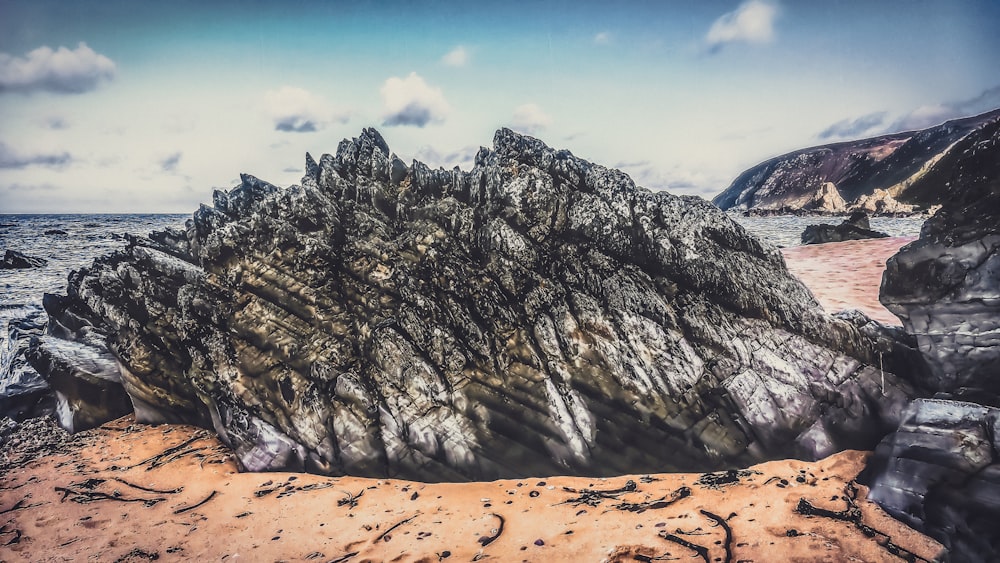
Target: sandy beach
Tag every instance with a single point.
(132, 492)
(846, 275)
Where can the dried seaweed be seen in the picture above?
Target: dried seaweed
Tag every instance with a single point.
(385, 535)
(852, 514)
(662, 502)
(700, 550)
(86, 497)
(594, 497)
(729, 533)
(487, 540)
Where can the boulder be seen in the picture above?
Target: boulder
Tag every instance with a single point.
(539, 314)
(828, 200)
(13, 259)
(855, 227)
(82, 373)
(23, 392)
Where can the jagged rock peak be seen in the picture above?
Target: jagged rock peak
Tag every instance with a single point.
(538, 314)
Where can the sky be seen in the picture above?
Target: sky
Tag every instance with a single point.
(122, 106)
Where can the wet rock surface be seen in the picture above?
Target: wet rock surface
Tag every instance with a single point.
(13, 259)
(855, 227)
(537, 315)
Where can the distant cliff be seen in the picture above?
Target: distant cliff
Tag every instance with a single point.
(883, 175)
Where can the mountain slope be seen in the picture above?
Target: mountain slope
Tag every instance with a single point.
(901, 166)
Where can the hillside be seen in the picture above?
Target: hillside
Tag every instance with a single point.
(888, 174)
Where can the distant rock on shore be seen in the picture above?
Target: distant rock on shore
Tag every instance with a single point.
(855, 227)
(539, 314)
(13, 259)
(894, 174)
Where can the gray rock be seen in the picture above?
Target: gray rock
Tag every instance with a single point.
(13, 259)
(945, 287)
(23, 392)
(855, 227)
(539, 314)
(78, 367)
(940, 473)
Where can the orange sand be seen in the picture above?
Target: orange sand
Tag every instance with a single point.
(45, 514)
(846, 275)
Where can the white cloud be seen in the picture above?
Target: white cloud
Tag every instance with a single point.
(530, 119)
(15, 159)
(62, 70)
(751, 22)
(295, 110)
(930, 115)
(677, 180)
(464, 157)
(854, 127)
(169, 163)
(459, 56)
(603, 38)
(411, 101)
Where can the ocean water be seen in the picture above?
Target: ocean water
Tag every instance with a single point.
(73, 241)
(786, 230)
(85, 238)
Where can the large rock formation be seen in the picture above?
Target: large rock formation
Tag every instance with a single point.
(890, 174)
(539, 314)
(945, 286)
(940, 471)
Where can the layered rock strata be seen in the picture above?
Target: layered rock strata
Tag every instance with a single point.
(940, 473)
(538, 314)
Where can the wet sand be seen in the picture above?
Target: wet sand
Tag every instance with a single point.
(130, 492)
(846, 275)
